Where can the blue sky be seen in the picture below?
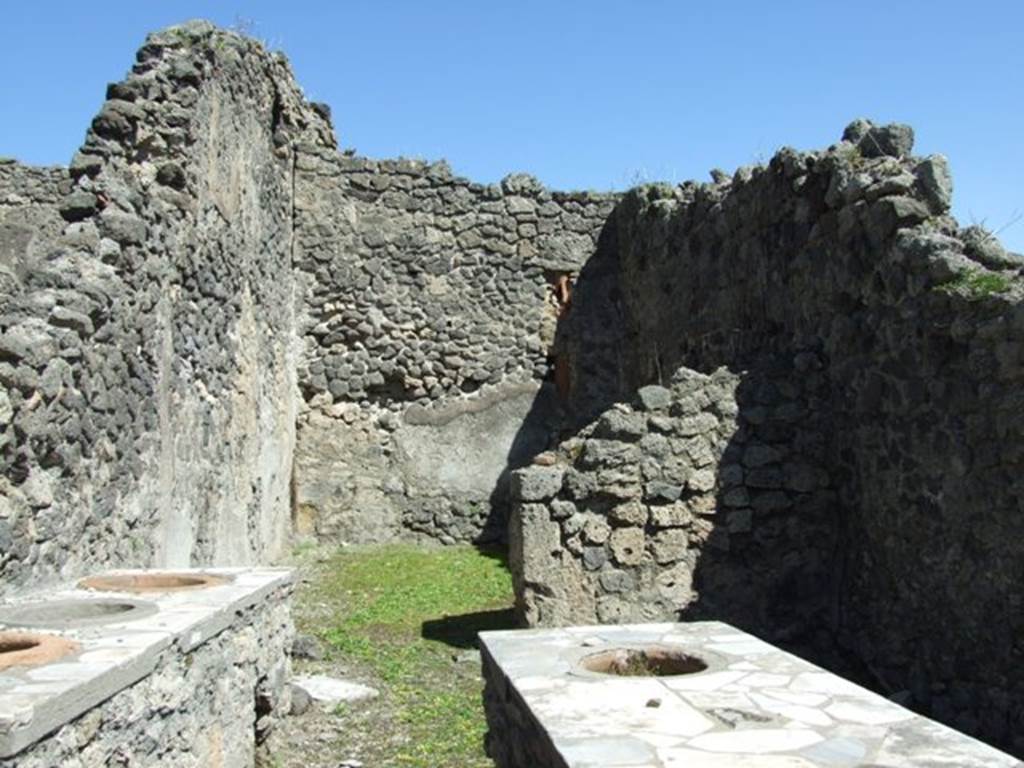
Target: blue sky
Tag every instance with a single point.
(591, 94)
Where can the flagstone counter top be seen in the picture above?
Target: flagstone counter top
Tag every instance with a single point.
(753, 705)
(186, 676)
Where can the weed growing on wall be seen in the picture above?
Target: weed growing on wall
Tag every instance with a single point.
(976, 284)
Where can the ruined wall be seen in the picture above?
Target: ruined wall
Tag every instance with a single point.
(210, 272)
(146, 355)
(707, 497)
(29, 220)
(846, 260)
(431, 310)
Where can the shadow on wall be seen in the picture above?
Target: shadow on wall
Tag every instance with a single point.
(550, 417)
(772, 563)
(532, 436)
(866, 503)
(765, 561)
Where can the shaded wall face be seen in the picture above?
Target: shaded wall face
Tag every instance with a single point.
(428, 323)
(704, 498)
(934, 458)
(850, 260)
(147, 360)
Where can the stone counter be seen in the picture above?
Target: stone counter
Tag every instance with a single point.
(753, 705)
(199, 681)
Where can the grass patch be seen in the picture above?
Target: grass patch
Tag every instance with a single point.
(404, 613)
(976, 284)
(851, 155)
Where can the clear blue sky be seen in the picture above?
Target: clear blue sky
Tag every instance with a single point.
(592, 94)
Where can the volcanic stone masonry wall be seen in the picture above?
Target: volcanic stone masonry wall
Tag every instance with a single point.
(432, 305)
(683, 503)
(212, 320)
(840, 271)
(148, 369)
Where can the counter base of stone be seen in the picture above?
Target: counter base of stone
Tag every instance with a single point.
(199, 683)
(754, 705)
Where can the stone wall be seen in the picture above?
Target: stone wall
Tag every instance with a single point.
(29, 220)
(431, 311)
(843, 264)
(707, 497)
(146, 354)
(209, 273)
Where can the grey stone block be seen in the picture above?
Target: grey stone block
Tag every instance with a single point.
(535, 483)
(654, 397)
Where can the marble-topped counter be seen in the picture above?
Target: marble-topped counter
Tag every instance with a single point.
(754, 705)
(111, 656)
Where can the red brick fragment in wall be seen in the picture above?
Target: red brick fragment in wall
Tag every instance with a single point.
(562, 289)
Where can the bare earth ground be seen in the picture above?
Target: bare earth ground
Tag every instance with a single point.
(403, 620)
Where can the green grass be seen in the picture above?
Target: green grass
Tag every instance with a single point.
(976, 284)
(403, 613)
(304, 548)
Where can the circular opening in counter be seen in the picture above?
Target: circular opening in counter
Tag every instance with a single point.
(653, 661)
(64, 614)
(23, 649)
(16, 644)
(152, 582)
